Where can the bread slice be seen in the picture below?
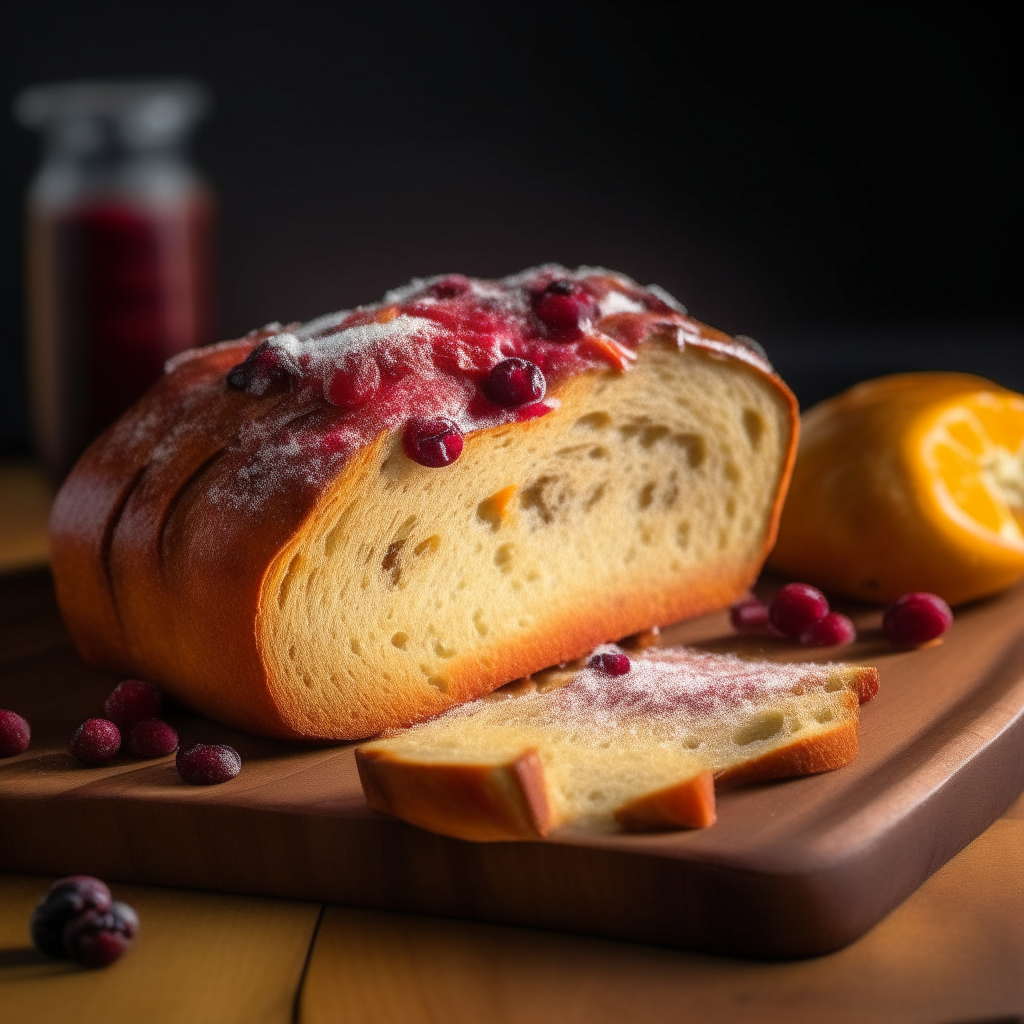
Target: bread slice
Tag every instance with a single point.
(254, 536)
(640, 751)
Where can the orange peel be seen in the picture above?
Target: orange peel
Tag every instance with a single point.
(909, 482)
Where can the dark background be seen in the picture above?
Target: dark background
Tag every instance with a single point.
(841, 185)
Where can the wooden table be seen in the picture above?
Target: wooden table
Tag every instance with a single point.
(952, 954)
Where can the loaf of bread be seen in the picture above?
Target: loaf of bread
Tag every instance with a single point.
(640, 750)
(329, 529)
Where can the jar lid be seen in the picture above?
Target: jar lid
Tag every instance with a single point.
(84, 117)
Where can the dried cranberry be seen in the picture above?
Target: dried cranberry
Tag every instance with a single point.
(916, 618)
(97, 938)
(353, 386)
(515, 381)
(433, 443)
(207, 764)
(152, 738)
(610, 663)
(563, 307)
(796, 608)
(450, 287)
(267, 368)
(14, 733)
(750, 616)
(96, 742)
(829, 631)
(131, 701)
(66, 899)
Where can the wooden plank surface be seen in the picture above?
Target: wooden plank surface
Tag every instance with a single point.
(198, 957)
(952, 953)
(804, 866)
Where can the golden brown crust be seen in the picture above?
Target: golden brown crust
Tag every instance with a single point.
(687, 804)
(478, 802)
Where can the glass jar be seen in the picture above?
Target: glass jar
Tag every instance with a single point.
(120, 236)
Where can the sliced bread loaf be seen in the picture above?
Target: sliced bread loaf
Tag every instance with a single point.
(641, 749)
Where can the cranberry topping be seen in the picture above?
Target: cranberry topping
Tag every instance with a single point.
(266, 369)
(97, 938)
(66, 899)
(433, 443)
(563, 307)
(750, 616)
(450, 287)
(131, 701)
(14, 733)
(796, 608)
(354, 386)
(515, 382)
(207, 764)
(829, 631)
(96, 742)
(916, 618)
(152, 738)
(610, 663)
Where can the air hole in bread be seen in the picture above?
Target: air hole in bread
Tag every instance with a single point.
(594, 420)
(753, 424)
(399, 640)
(824, 715)
(759, 728)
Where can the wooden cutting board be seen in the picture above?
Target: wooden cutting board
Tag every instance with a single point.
(791, 869)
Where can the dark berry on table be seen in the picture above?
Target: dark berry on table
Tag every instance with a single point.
(450, 287)
(515, 381)
(914, 619)
(152, 738)
(131, 701)
(267, 368)
(750, 616)
(14, 733)
(610, 663)
(97, 938)
(207, 764)
(563, 307)
(829, 631)
(96, 742)
(433, 443)
(796, 608)
(66, 899)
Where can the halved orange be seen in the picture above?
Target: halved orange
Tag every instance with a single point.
(909, 482)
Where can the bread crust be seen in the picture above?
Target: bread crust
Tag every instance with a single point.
(478, 802)
(687, 804)
(152, 583)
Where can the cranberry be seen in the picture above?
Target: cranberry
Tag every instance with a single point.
(131, 701)
(14, 733)
(563, 307)
(97, 938)
(96, 742)
(152, 738)
(610, 663)
(750, 616)
(66, 899)
(829, 631)
(207, 764)
(433, 443)
(916, 618)
(351, 387)
(515, 382)
(450, 287)
(796, 608)
(267, 368)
